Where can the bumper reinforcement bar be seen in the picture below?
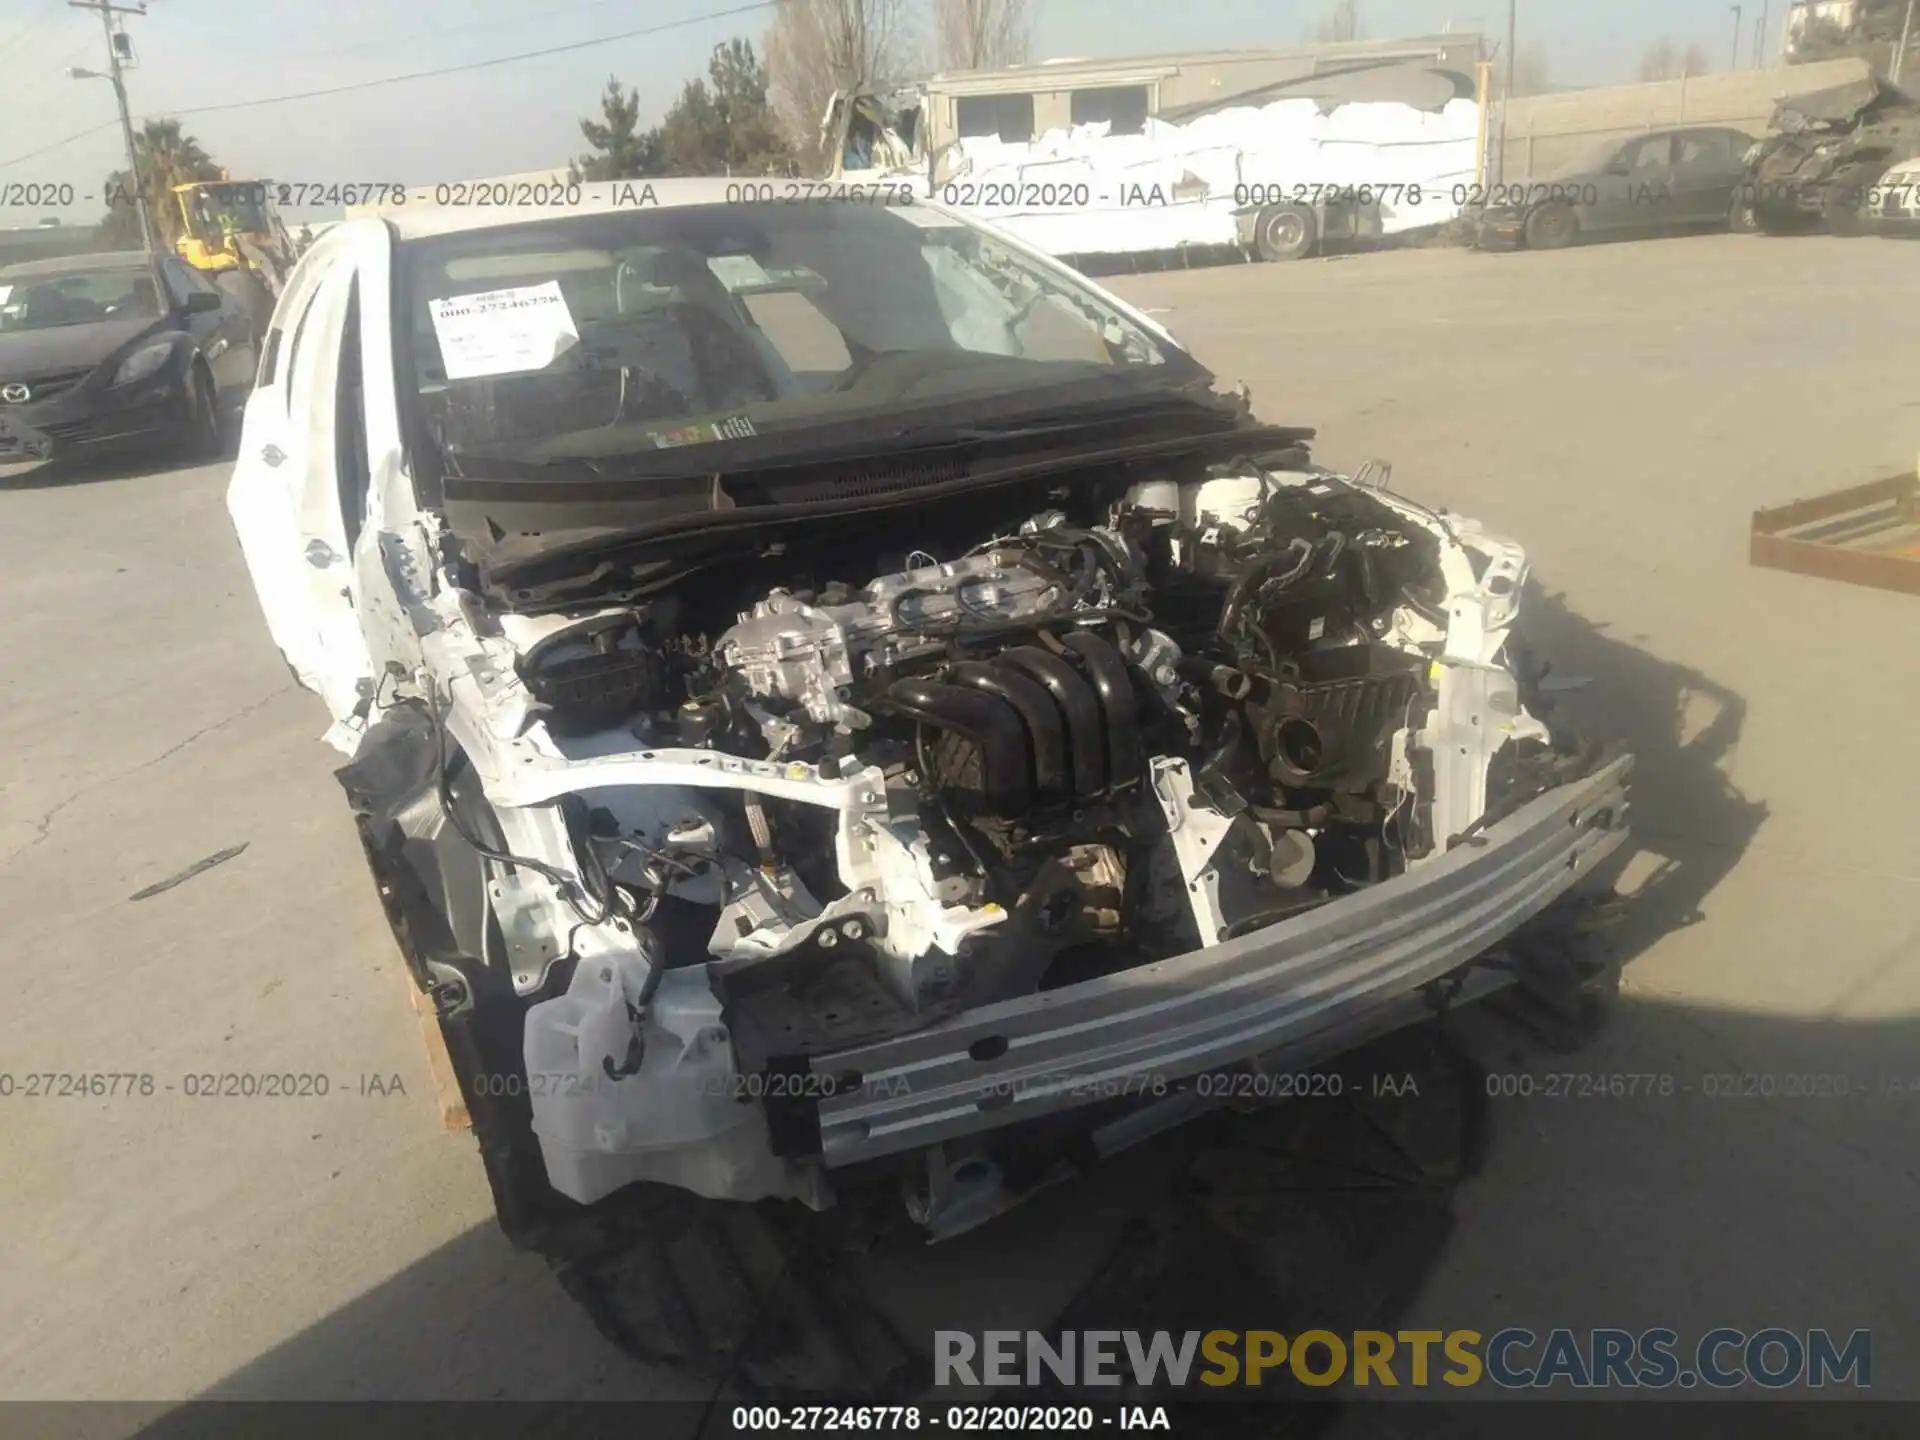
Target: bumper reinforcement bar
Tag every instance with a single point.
(1272, 990)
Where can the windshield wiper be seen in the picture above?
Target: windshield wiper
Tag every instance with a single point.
(831, 440)
(1068, 419)
(558, 570)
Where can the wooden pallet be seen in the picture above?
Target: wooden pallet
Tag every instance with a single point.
(451, 1104)
(1865, 535)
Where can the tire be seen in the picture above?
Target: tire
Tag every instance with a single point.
(1741, 219)
(1285, 232)
(204, 440)
(1552, 227)
(1845, 194)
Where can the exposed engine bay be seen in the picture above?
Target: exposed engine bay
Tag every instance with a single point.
(1051, 706)
(776, 811)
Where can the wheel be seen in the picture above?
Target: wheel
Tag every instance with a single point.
(204, 440)
(1552, 227)
(1285, 232)
(1741, 219)
(1842, 201)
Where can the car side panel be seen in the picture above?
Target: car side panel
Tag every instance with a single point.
(223, 344)
(284, 496)
(1704, 178)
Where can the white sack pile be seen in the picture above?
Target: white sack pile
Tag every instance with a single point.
(1117, 193)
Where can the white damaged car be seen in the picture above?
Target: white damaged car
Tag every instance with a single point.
(829, 693)
(1892, 204)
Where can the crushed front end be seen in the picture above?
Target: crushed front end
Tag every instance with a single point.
(863, 860)
(1826, 154)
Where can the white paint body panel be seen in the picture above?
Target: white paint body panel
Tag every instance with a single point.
(358, 599)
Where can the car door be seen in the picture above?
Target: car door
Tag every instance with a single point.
(222, 334)
(1706, 168)
(1617, 201)
(286, 494)
(1648, 196)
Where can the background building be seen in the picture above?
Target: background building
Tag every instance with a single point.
(1023, 103)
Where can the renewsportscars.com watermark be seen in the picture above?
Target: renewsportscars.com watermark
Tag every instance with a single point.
(1512, 1359)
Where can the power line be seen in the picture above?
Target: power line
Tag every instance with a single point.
(48, 149)
(105, 9)
(28, 28)
(413, 75)
(479, 64)
(505, 22)
(57, 70)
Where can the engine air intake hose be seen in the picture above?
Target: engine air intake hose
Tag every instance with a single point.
(1086, 725)
(1046, 727)
(1114, 687)
(989, 723)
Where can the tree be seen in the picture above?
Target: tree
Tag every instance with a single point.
(1663, 61)
(818, 47)
(626, 151)
(167, 157)
(724, 125)
(982, 34)
(1873, 35)
(1342, 22)
(754, 138)
(1818, 39)
(719, 125)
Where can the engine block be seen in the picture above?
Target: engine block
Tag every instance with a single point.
(809, 653)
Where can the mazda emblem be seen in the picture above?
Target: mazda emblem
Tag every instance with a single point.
(16, 394)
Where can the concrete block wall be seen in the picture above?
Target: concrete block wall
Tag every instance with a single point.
(1546, 133)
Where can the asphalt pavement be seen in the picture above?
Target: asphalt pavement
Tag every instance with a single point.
(1620, 409)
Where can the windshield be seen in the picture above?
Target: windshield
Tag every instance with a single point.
(637, 331)
(1591, 159)
(86, 297)
(216, 211)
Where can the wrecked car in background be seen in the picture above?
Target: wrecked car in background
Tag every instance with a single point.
(1826, 154)
(1669, 180)
(832, 695)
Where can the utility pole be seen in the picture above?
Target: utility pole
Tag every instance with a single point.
(1506, 96)
(107, 11)
(1906, 36)
(1736, 37)
(1760, 36)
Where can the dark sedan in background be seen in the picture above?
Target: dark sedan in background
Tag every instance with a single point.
(1665, 180)
(116, 351)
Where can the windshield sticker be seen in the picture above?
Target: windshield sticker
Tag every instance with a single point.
(503, 332)
(734, 427)
(738, 272)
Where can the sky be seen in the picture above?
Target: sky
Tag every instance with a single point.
(524, 116)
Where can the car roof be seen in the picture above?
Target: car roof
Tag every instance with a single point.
(71, 264)
(422, 214)
(1691, 130)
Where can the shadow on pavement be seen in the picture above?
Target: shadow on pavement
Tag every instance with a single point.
(63, 471)
(1313, 1216)
(1690, 822)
